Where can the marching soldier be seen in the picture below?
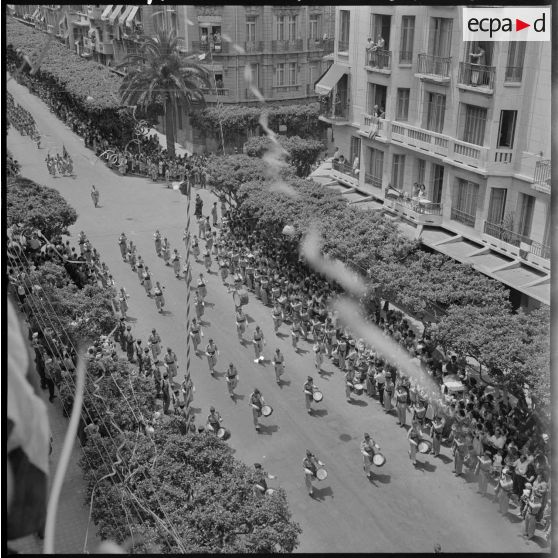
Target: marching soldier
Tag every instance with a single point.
(159, 298)
(198, 305)
(258, 342)
(256, 402)
(157, 237)
(368, 448)
(170, 363)
(202, 288)
(240, 323)
(276, 313)
(155, 344)
(211, 352)
(309, 389)
(279, 365)
(213, 420)
(195, 334)
(176, 263)
(166, 251)
(261, 477)
(311, 465)
(349, 384)
(123, 244)
(232, 379)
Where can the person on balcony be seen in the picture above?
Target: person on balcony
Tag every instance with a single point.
(377, 59)
(356, 166)
(477, 60)
(370, 48)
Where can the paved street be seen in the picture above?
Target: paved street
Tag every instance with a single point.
(403, 510)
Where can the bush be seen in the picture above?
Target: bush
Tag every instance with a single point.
(38, 207)
(13, 168)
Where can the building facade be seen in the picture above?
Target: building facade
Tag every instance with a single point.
(453, 138)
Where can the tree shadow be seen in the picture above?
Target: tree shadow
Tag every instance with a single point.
(359, 402)
(322, 493)
(345, 437)
(319, 412)
(268, 429)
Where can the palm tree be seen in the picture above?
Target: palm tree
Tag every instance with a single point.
(159, 74)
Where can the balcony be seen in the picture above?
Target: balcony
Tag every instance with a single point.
(463, 217)
(416, 210)
(374, 181)
(211, 94)
(405, 57)
(287, 46)
(106, 48)
(327, 46)
(513, 74)
(253, 47)
(433, 68)
(336, 116)
(343, 47)
(378, 61)
(375, 127)
(215, 48)
(540, 250)
(475, 77)
(343, 173)
(288, 88)
(542, 178)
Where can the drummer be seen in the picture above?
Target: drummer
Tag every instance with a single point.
(349, 384)
(240, 323)
(368, 448)
(155, 344)
(232, 380)
(202, 287)
(309, 389)
(279, 365)
(261, 477)
(211, 353)
(258, 341)
(277, 317)
(256, 402)
(414, 438)
(195, 333)
(213, 420)
(436, 430)
(401, 404)
(311, 465)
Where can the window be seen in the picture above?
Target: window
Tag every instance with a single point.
(526, 208)
(293, 73)
(314, 31)
(497, 205)
(375, 167)
(437, 183)
(280, 74)
(380, 28)
(486, 46)
(435, 112)
(421, 170)
(251, 29)
(280, 28)
(313, 73)
(291, 28)
(507, 128)
(464, 202)
(398, 171)
(344, 30)
(402, 110)
(407, 39)
(439, 39)
(514, 66)
(473, 125)
(355, 149)
(377, 95)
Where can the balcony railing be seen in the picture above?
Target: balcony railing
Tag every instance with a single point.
(342, 46)
(216, 48)
(286, 46)
(378, 59)
(543, 173)
(501, 233)
(417, 205)
(326, 45)
(405, 57)
(345, 168)
(288, 88)
(476, 75)
(219, 92)
(513, 73)
(540, 250)
(253, 46)
(434, 65)
(339, 113)
(463, 217)
(373, 180)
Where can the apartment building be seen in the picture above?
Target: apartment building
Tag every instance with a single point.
(453, 138)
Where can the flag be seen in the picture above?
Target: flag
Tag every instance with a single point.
(28, 437)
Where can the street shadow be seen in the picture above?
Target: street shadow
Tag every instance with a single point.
(166, 313)
(282, 335)
(539, 541)
(325, 373)
(196, 410)
(302, 351)
(284, 382)
(345, 437)
(204, 322)
(322, 493)
(426, 466)
(239, 396)
(514, 518)
(249, 319)
(210, 304)
(384, 479)
(265, 361)
(444, 459)
(359, 403)
(131, 319)
(218, 375)
(268, 429)
(319, 412)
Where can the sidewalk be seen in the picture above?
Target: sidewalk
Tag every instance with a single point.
(73, 512)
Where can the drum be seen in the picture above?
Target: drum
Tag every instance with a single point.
(240, 297)
(267, 410)
(358, 388)
(223, 433)
(318, 396)
(270, 491)
(424, 446)
(321, 474)
(378, 459)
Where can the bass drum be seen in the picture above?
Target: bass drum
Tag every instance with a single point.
(317, 396)
(240, 297)
(267, 410)
(270, 491)
(223, 433)
(321, 474)
(378, 459)
(358, 388)
(424, 446)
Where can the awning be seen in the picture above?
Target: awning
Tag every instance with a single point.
(114, 14)
(330, 79)
(82, 23)
(131, 16)
(105, 14)
(124, 15)
(35, 13)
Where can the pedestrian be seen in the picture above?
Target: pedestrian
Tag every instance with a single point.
(349, 384)
(256, 402)
(224, 269)
(95, 195)
(258, 342)
(318, 356)
(533, 508)
(388, 394)
(139, 355)
(214, 213)
(368, 448)
(157, 237)
(277, 317)
(232, 379)
(123, 244)
(279, 365)
(211, 352)
(198, 305)
(195, 334)
(201, 227)
(188, 391)
(309, 389)
(459, 453)
(130, 344)
(414, 438)
(166, 251)
(401, 405)
(199, 206)
(195, 248)
(176, 263)
(123, 336)
(483, 471)
(155, 344)
(159, 298)
(214, 420)
(260, 480)
(505, 485)
(207, 260)
(166, 393)
(49, 375)
(147, 363)
(311, 464)
(140, 269)
(240, 318)
(131, 256)
(170, 363)
(147, 285)
(202, 287)
(123, 302)
(380, 379)
(295, 335)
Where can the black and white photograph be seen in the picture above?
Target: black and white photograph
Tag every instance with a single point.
(278, 278)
